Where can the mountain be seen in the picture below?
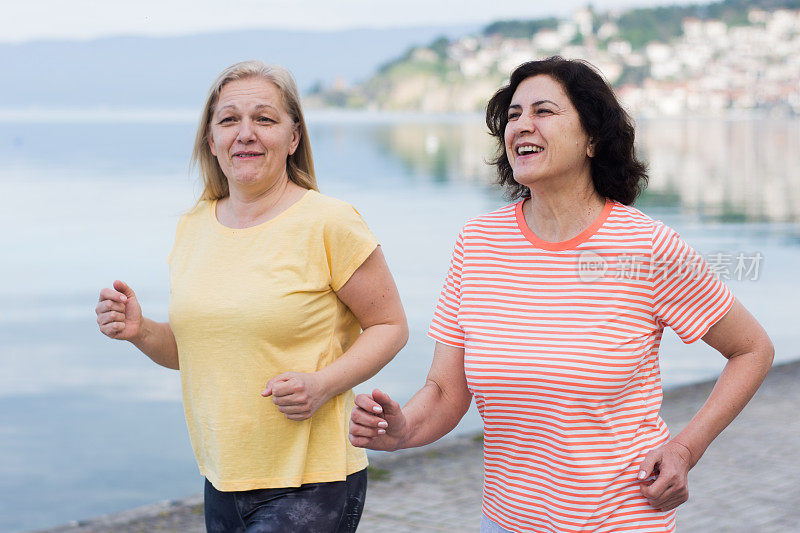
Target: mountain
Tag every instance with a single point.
(175, 72)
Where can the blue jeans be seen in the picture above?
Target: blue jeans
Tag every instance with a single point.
(331, 507)
(490, 526)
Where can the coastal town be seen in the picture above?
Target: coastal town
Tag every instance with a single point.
(750, 63)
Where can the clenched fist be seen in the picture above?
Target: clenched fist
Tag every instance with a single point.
(118, 312)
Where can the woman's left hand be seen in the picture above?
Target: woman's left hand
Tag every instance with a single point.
(298, 395)
(671, 464)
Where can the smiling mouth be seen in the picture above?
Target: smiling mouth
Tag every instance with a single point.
(527, 149)
(246, 155)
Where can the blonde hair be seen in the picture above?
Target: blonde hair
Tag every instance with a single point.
(299, 165)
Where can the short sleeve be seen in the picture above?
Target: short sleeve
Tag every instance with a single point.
(444, 326)
(348, 243)
(687, 295)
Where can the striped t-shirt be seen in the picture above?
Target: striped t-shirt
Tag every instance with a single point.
(561, 355)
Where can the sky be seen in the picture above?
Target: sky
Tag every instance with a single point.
(28, 20)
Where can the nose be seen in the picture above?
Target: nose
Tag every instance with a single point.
(524, 124)
(246, 131)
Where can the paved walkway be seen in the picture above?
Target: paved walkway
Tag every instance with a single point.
(747, 482)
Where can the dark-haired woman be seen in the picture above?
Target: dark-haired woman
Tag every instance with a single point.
(551, 317)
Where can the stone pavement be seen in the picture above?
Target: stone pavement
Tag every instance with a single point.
(747, 482)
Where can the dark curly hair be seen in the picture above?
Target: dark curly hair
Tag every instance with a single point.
(616, 172)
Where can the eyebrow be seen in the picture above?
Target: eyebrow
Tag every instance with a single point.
(258, 107)
(536, 103)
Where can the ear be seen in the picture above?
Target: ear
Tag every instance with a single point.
(590, 149)
(295, 140)
(210, 142)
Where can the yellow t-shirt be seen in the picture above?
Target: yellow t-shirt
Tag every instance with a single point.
(247, 305)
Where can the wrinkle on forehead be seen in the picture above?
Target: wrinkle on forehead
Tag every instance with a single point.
(256, 87)
(257, 107)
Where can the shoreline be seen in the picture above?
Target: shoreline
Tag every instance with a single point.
(746, 481)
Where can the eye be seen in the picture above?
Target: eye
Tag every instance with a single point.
(225, 120)
(544, 111)
(265, 120)
(513, 115)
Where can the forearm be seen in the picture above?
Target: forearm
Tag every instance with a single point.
(432, 413)
(374, 348)
(157, 342)
(737, 384)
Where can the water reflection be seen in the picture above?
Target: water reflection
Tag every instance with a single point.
(723, 170)
(452, 151)
(728, 170)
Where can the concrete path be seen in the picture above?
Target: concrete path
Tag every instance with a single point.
(747, 482)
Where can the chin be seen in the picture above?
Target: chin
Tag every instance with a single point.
(244, 180)
(528, 181)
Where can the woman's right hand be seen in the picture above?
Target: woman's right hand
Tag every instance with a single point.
(377, 422)
(118, 312)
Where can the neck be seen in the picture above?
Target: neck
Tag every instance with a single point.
(559, 213)
(243, 208)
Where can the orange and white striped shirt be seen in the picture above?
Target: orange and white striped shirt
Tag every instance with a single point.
(561, 355)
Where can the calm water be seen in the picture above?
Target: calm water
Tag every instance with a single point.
(90, 426)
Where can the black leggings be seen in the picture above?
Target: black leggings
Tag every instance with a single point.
(331, 507)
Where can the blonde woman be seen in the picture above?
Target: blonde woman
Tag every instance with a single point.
(272, 284)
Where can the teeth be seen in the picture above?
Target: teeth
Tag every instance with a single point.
(529, 149)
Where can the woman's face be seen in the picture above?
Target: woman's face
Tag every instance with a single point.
(251, 134)
(544, 138)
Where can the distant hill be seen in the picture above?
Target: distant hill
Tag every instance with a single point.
(702, 57)
(136, 72)
(642, 25)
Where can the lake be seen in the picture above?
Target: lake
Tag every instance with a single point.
(90, 426)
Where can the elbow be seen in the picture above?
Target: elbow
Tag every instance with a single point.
(761, 356)
(402, 334)
(399, 338)
(390, 336)
(768, 354)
